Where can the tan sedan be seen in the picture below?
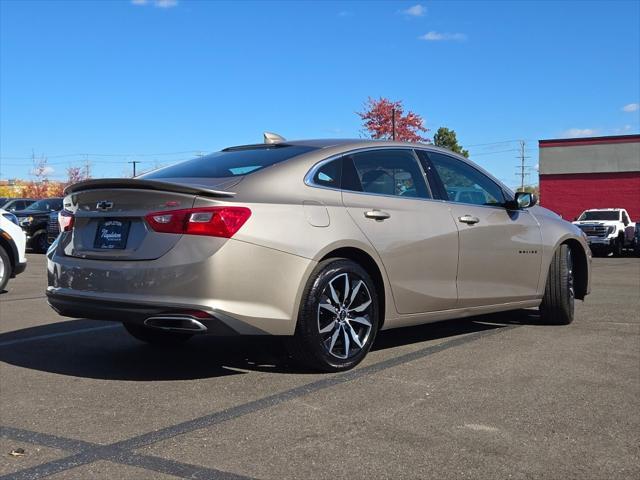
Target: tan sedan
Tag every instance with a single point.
(324, 241)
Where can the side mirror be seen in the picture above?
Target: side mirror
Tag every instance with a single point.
(525, 199)
(522, 200)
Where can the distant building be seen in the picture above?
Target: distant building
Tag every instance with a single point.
(596, 172)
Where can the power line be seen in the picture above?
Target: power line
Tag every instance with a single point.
(66, 155)
(491, 143)
(492, 153)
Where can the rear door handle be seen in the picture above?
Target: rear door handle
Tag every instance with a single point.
(469, 219)
(377, 214)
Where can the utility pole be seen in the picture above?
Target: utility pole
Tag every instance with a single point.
(134, 162)
(522, 167)
(393, 123)
(87, 167)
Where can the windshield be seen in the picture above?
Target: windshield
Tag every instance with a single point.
(3, 201)
(600, 215)
(46, 204)
(231, 162)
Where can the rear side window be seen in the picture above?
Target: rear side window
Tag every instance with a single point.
(231, 162)
(386, 172)
(465, 184)
(329, 174)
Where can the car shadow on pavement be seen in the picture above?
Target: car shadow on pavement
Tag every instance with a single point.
(103, 350)
(452, 328)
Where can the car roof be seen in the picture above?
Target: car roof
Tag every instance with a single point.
(352, 143)
(337, 142)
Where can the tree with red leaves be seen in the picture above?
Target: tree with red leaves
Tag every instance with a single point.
(42, 187)
(38, 188)
(378, 121)
(75, 175)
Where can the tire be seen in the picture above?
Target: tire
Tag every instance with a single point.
(617, 247)
(40, 243)
(557, 307)
(5, 268)
(338, 318)
(155, 336)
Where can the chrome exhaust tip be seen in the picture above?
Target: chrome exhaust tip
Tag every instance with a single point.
(183, 323)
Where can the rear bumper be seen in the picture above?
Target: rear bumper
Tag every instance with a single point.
(94, 309)
(251, 289)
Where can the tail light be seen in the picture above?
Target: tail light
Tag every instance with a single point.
(210, 221)
(65, 220)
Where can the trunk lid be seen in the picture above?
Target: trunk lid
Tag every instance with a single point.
(109, 221)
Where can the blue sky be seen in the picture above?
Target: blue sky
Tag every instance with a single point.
(160, 80)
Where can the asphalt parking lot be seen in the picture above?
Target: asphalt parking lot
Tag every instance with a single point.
(499, 396)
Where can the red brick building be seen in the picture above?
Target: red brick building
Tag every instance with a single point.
(577, 174)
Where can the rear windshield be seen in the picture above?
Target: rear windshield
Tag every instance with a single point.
(231, 162)
(600, 215)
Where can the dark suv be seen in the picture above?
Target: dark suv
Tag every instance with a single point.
(34, 219)
(15, 204)
(53, 228)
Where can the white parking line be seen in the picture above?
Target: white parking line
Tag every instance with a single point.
(60, 334)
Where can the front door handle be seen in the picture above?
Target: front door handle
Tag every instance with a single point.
(377, 215)
(469, 219)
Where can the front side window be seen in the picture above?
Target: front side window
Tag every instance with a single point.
(385, 172)
(625, 219)
(465, 184)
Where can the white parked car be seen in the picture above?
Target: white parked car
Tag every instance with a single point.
(12, 246)
(608, 230)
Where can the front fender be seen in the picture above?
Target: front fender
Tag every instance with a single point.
(556, 232)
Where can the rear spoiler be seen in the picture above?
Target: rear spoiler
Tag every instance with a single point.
(141, 184)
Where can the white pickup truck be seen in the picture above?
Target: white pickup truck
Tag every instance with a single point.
(608, 230)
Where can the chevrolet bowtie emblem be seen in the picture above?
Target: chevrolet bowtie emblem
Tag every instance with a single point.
(104, 205)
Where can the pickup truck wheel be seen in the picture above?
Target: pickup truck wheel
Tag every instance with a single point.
(5, 268)
(338, 318)
(617, 247)
(557, 305)
(156, 337)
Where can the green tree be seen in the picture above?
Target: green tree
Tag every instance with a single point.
(446, 138)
